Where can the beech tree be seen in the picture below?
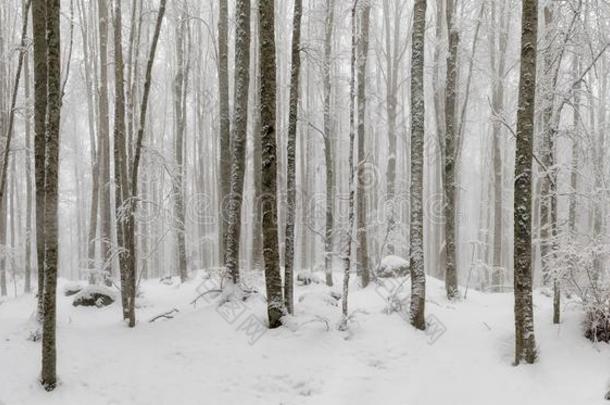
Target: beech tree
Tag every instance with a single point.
(273, 278)
(418, 111)
(239, 131)
(525, 342)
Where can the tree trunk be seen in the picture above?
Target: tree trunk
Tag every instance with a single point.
(273, 277)
(28, 182)
(291, 156)
(130, 243)
(225, 124)
(120, 157)
(347, 249)
(39, 29)
(239, 133)
(451, 284)
(180, 129)
(104, 135)
(48, 374)
(418, 277)
(525, 344)
(328, 144)
(363, 187)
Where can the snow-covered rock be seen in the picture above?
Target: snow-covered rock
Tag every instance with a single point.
(94, 295)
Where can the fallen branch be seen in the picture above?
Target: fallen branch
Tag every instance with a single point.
(194, 302)
(166, 315)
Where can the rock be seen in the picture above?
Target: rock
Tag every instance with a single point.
(393, 266)
(72, 289)
(94, 296)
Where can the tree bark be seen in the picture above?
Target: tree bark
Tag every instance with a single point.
(291, 156)
(130, 236)
(418, 278)
(328, 143)
(225, 121)
(239, 133)
(104, 140)
(49, 374)
(449, 178)
(39, 29)
(179, 91)
(363, 187)
(273, 278)
(525, 344)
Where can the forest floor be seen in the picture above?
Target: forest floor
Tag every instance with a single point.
(207, 354)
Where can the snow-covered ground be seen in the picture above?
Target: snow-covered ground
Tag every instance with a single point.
(211, 355)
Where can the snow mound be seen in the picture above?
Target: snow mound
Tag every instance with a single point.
(94, 296)
(393, 266)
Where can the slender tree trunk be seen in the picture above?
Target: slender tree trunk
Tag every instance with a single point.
(28, 182)
(49, 374)
(180, 130)
(129, 226)
(418, 278)
(449, 178)
(104, 135)
(271, 256)
(498, 66)
(525, 343)
(224, 119)
(362, 164)
(347, 249)
(120, 156)
(328, 143)
(239, 133)
(39, 29)
(291, 156)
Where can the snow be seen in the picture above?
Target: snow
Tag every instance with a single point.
(394, 262)
(220, 355)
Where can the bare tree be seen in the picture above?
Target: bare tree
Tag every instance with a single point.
(418, 278)
(49, 374)
(239, 131)
(291, 156)
(328, 141)
(525, 343)
(271, 256)
(361, 224)
(450, 155)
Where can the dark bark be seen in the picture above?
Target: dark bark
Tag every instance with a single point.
(449, 178)
(239, 133)
(225, 122)
(39, 29)
(271, 256)
(418, 278)
(525, 344)
(130, 243)
(49, 374)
